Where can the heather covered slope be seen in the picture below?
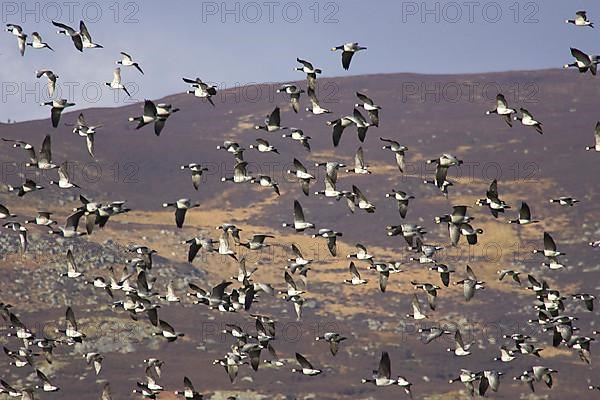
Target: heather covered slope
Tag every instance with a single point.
(430, 115)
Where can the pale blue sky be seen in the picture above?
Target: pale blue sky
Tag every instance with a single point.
(248, 42)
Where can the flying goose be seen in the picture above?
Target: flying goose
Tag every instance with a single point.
(57, 107)
(310, 71)
(444, 272)
(509, 272)
(524, 216)
(21, 230)
(361, 124)
(116, 82)
(64, 181)
(549, 247)
(231, 362)
(144, 391)
(300, 224)
(17, 31)
(167, 331)
(370, 107)
(408, 231)
(467, 378)
(201, 89)
(502, 109)
(197, 171)
(492, 201)
(348, 50)
(431, 291)
(402, 200)
(433, 333)
(416, 306)
(263, 146)
(306, 368)
(224, 248)
(361, 253)
(331, 169)
(381, 377)
(383, 270)
(68, 31)
(37, 43)
(151, 380)
(398, 150)
(26, 187)
(298, 302)
(527, 119)
(461, 349)
(189, 393)
(5, 213)
(72, 271)
(149, 115)
(234, 230)
(553, 263)
(334, 339)
(294, 92)
(359, 163)
(580, 20)
(298, 135)
(298, 261)
(302, 174)
(583, 62)
(181, 207)
(70, 228)
(331, 237)
(43, 218)
(330, 189)
(338, 126)
(363, 202)
(470, 284)
(565, 201)
(440, 180)
(266, 181)
(446, 160)
(96, 359)
(596, 146)
(82, 128)
(240, 174)
(292, 287)
(127, 61)
(233, 148)
(198, 243)
(459, 216)
(542, 373)
(170, 296)
(489, 380)
(471, 233)
(356, 279)
(51, 79)
(86, 38)
(44, 160)
(257, 242)
(244, 274)
(163, 112)
(71, 331)
(47, 385)
(427, 251)
(272, 122)
(315, 105)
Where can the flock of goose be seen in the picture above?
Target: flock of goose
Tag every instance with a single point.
(135, 291)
